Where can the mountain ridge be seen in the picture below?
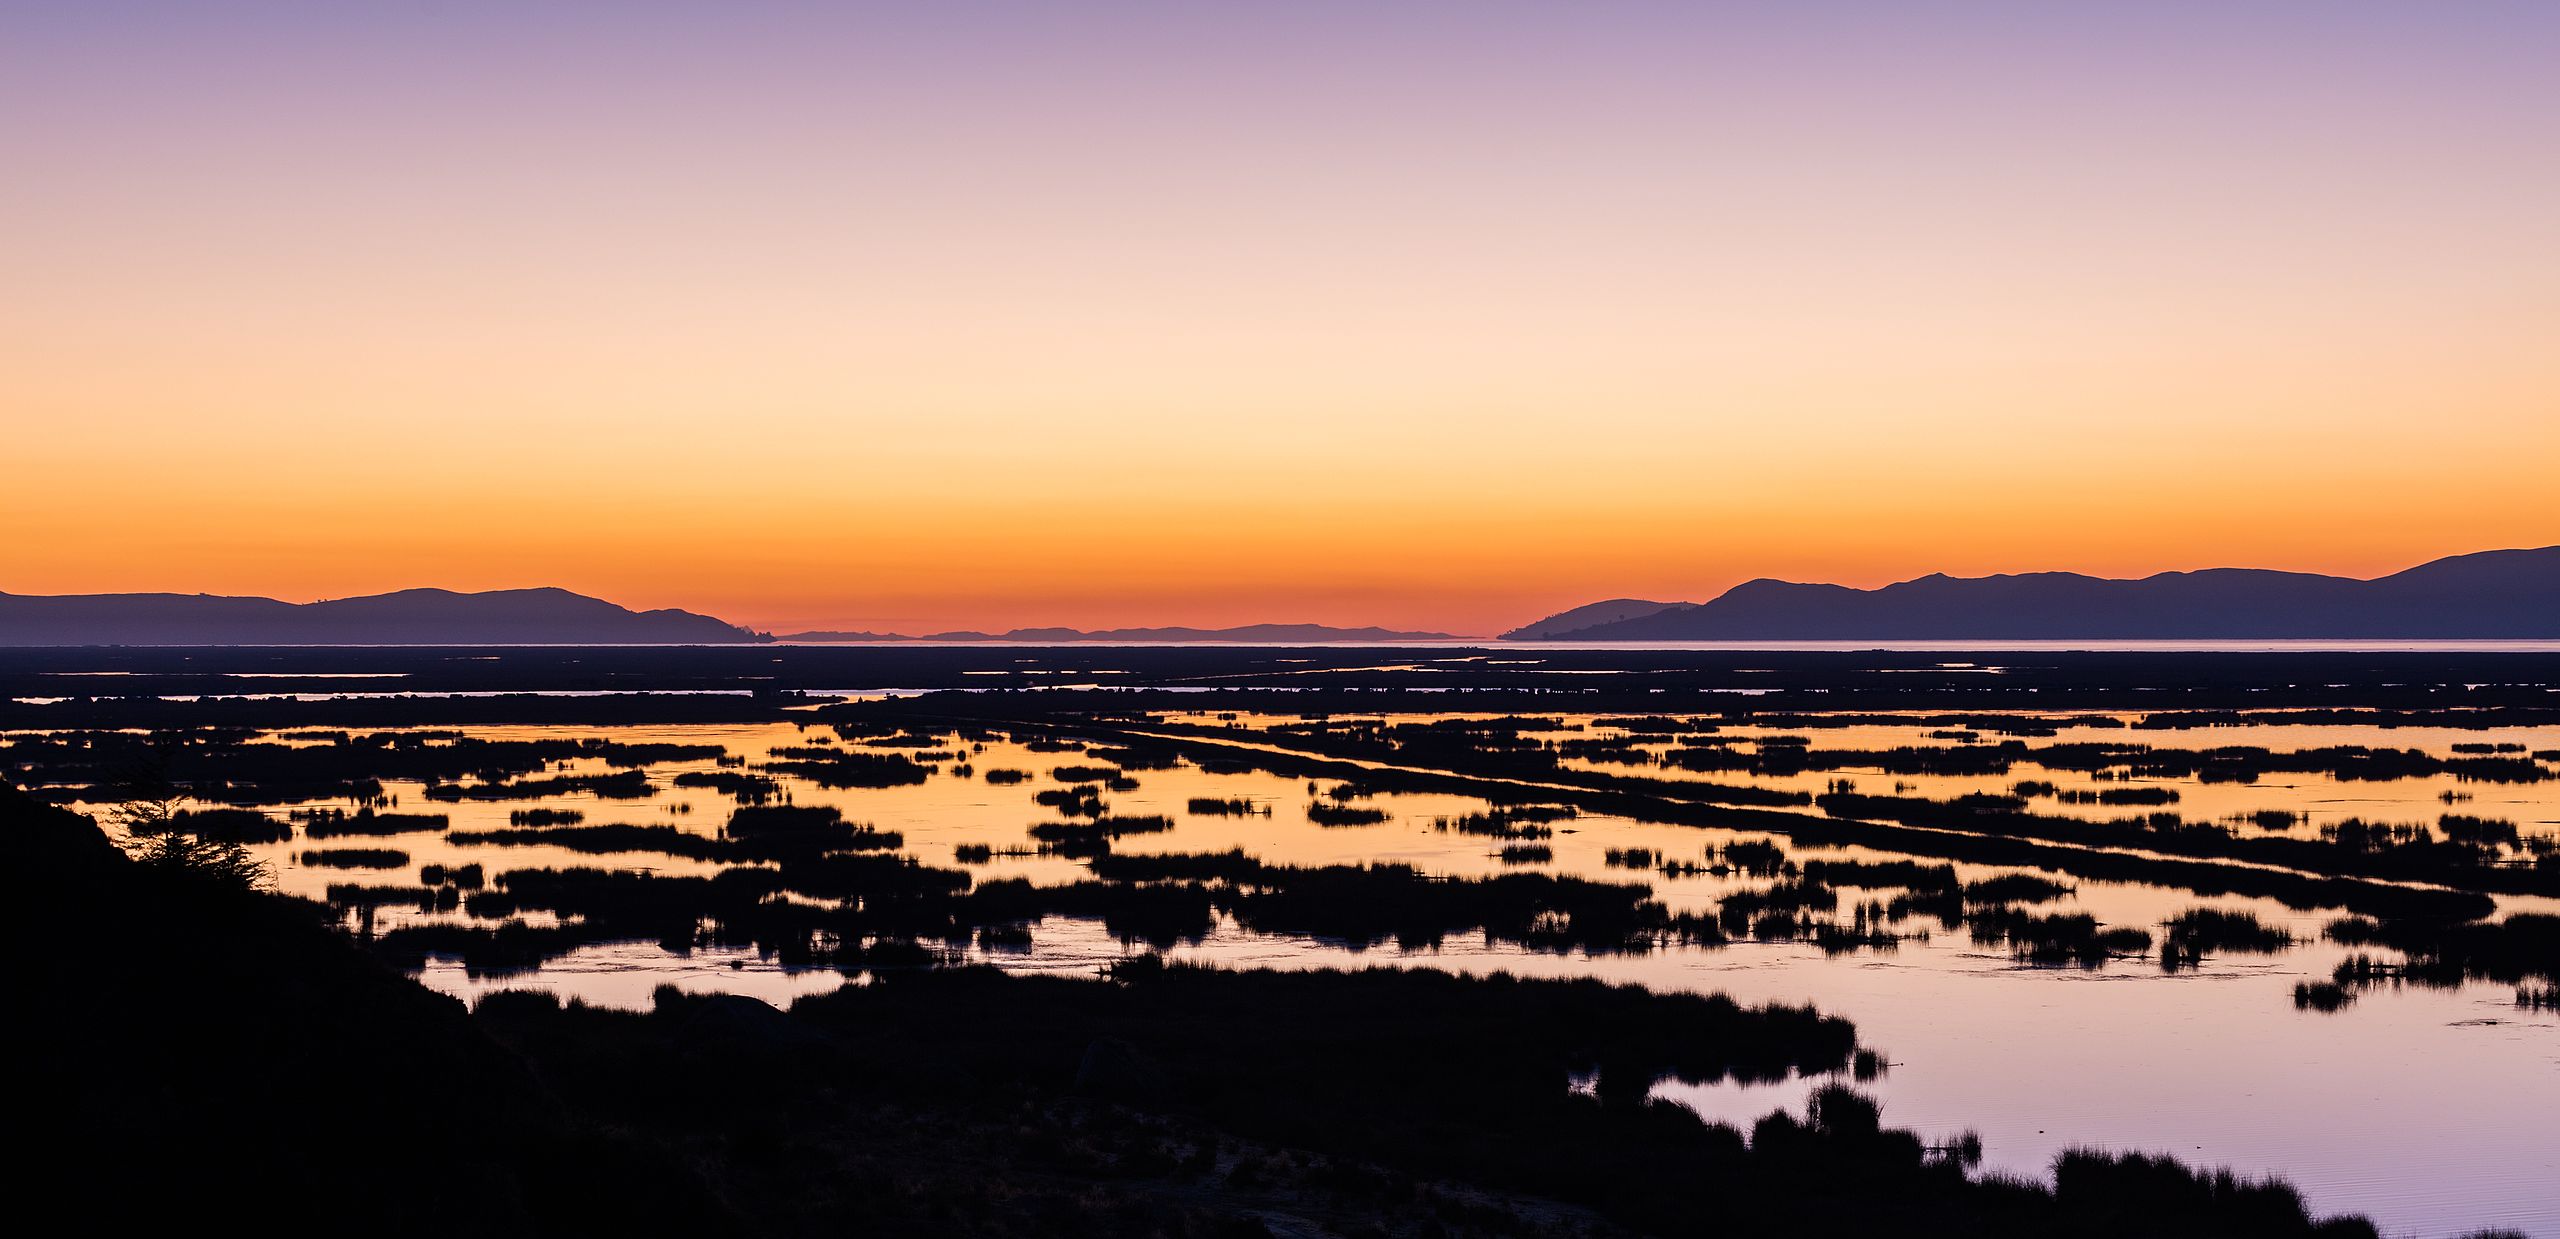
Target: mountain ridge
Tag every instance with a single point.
(1607, 611)
(2512, 593)
(545, 615)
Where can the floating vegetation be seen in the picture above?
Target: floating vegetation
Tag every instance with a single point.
(900, 741)
(422, 899)
(813, 837)
(1892, 874)
(763, 819)
(1083, 800)
(354, 858)
(230, 825)
(1134, 759)
(2479, 831)
(2121, 795)
(1781, 912)
(230, 766)
(1324, 814)
(1498, 823)
(1212, 806)
(844, 769)
(336, 823)
(2521, 948)
(739, 786)
(2066, 938)
(2273, 819)
(2197, 932)
(620, 785)
(2351, 847)
(1761, 858)
(1631, 858)
(1073, 838)
(2015, 888)
(464, 877)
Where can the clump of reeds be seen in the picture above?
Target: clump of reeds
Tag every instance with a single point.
(354, 858)
(2200, 931)
(1323, 814)
(1211, 806)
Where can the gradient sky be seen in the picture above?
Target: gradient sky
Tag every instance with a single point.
(1427, 315)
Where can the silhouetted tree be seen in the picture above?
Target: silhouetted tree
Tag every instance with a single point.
(148, 821)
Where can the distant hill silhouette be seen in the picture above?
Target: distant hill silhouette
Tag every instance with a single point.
(1253, 634)
(408, 617)
(1591, 615)
(2492, 594)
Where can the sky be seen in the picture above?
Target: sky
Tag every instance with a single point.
(1436, 316)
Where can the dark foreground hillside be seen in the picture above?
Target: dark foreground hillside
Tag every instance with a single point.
(199, 1054)
(192, 1051)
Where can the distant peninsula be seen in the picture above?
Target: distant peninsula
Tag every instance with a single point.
(1248, 634)
(2509, 594)
(407, 617)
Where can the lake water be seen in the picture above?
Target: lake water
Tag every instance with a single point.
(2435, 1111)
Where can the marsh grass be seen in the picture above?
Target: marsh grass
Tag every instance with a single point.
(1324, 813)
(353, 858)
(1212, 806)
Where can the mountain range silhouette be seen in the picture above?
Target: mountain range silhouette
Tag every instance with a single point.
(2512, 594)
(407, 617)
(2505, 594)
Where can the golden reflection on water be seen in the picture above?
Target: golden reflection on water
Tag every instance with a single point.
(2213, 1064)
(2316, 799)
(938, 816)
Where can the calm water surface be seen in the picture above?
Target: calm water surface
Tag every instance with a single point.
(2433, 1111)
